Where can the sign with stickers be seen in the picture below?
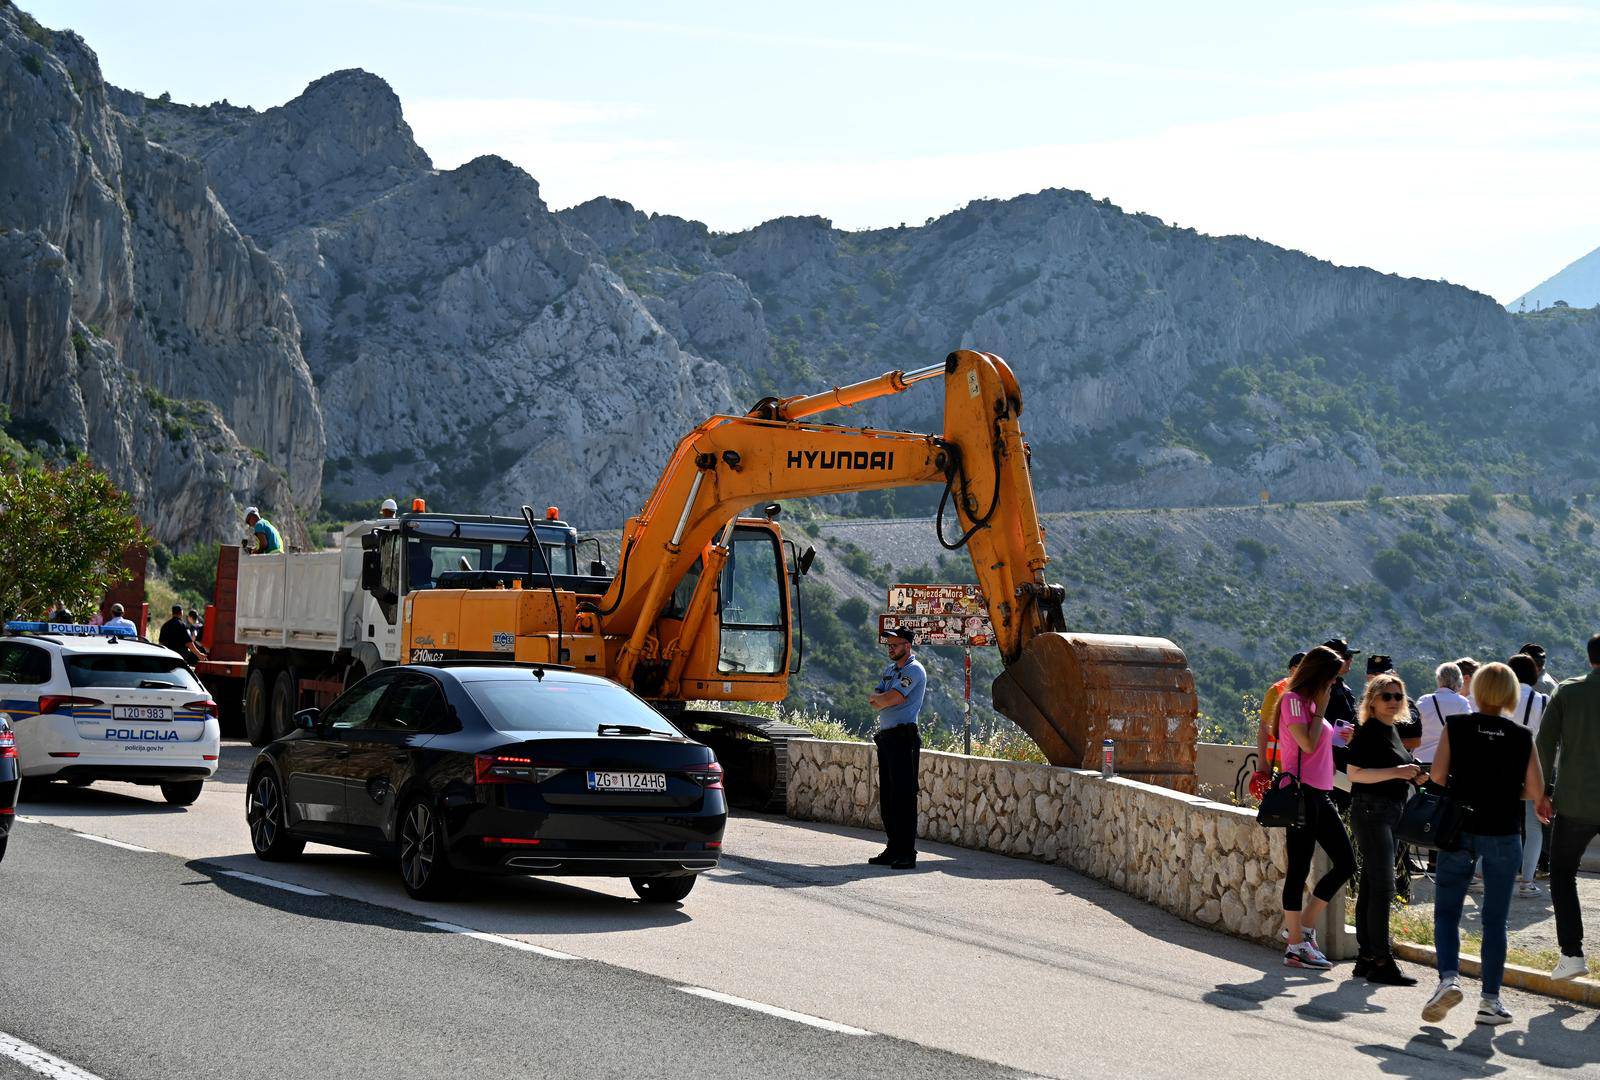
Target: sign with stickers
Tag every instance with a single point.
(959, 630)
(937, 600)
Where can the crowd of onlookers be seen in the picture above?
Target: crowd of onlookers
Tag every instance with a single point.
(1516, 754)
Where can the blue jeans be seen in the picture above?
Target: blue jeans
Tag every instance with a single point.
(1502, 859)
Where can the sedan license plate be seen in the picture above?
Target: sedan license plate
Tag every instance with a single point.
(628, 781)
(140, 712)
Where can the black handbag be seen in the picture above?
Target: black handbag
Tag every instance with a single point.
(1431, 819)
(1283, 806)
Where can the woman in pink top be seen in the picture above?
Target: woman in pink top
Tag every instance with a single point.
(1306, 743)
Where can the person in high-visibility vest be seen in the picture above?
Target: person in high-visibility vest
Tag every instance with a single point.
(1267, 732)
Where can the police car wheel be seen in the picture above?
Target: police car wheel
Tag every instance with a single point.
(264, 813)
(424, 864)
(662, 890)
(181, 792)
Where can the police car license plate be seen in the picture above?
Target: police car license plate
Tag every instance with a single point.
(140, 712)
(628, 781)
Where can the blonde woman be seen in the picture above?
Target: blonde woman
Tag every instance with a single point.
(1381, 770)
(1486, 759)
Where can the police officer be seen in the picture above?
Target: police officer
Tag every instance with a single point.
(175, 635)
(898, 699)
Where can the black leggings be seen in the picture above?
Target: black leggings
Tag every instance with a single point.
(1322, 828)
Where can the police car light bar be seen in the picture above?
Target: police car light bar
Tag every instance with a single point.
(18, 626)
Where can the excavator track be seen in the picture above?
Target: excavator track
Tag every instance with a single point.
(753, 750)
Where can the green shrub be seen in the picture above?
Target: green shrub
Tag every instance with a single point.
(1394, 568)
(855, 611)
(194, 571)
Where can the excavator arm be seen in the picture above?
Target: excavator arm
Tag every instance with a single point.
(1066, 691)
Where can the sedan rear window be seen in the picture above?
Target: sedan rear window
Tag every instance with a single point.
(528, 705)
(129, 671)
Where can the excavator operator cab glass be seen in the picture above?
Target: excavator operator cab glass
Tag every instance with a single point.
(437, 545)
(755, 630)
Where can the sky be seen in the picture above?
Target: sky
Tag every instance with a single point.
(1454, 140)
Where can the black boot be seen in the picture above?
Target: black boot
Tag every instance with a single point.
(1363, 965)
(882, 858)
(1386, 972)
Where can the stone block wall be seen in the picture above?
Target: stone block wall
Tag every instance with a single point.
(1204, 861)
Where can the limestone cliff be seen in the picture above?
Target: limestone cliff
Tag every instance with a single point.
(140, 326)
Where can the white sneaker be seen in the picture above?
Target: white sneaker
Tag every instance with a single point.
(1570, 967)
(1445, 998)
(1528, 888)
(1491, 1012)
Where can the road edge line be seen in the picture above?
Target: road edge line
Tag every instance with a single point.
(496, 939)
(123, 844)
(41, 1061)
(773, 1010)
(274, 883)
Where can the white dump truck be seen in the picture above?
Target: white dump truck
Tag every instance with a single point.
(312, 623)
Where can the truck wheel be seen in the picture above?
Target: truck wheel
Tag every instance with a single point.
(285, 692)
(257, 697)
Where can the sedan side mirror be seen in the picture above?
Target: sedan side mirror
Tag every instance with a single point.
(306, 719)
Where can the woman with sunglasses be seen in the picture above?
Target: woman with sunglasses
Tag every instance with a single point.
(1380, 770)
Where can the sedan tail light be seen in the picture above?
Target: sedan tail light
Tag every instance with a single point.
(510, 840)
(50, 703)
(509, 769)
(8, 744)
(206, 705)
(708, 776)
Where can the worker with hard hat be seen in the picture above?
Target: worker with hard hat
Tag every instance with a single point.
(389, 509)
(263, 532)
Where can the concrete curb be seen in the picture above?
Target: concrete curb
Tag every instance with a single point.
(1581, 990)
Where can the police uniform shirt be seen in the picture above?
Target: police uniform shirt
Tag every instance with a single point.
(911, 681)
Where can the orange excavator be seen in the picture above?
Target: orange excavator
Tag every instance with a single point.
(705, 603)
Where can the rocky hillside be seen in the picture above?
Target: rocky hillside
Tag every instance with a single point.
(1159, 366)
(1423, 579)
(466, 344)
(139, 324)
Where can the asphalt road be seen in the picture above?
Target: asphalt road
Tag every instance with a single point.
(969, 965)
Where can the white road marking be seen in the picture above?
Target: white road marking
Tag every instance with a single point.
(773, 1010)
(284, 885)
(114, 843)
(512, 943)
(40, 1061)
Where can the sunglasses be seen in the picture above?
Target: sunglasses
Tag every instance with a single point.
(1387, 696)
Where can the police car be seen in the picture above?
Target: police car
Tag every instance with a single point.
(94, 703)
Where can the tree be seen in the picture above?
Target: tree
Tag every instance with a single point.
(854, 611)
(63, 533)
(1394, 568)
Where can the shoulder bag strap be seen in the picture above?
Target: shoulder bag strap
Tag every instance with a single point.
(1438, 711)
(1527, 710)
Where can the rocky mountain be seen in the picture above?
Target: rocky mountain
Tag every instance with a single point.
(466, 344)
(1159, 366)
(1577, 285)
(139, 325)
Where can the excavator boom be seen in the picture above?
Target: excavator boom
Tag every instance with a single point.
(1068, 691)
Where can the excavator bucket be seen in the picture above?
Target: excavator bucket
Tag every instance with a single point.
(1071, 691)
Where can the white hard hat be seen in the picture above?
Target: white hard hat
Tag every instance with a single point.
(389, 504)
(251, 510)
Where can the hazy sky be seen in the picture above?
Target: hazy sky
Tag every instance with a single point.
(1444, 140)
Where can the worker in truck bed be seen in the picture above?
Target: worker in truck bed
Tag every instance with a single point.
(263, 532)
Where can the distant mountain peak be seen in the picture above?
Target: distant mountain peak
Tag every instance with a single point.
(1577, 285)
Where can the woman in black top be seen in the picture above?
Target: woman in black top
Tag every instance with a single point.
(1487, 761)
(1380, 770)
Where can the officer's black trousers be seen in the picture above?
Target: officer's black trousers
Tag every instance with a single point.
(898, 753)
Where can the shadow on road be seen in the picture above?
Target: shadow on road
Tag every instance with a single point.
(64, 800)
(496, 905)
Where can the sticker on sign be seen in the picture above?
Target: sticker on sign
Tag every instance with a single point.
(937, 600)
(959, 630)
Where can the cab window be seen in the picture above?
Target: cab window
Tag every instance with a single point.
(754, 630)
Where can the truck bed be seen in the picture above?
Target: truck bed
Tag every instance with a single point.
(290, 600)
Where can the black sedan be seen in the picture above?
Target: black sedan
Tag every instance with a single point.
(494, 769)
(10, 781)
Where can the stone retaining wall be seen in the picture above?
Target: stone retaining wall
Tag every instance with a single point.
(1207, 862)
